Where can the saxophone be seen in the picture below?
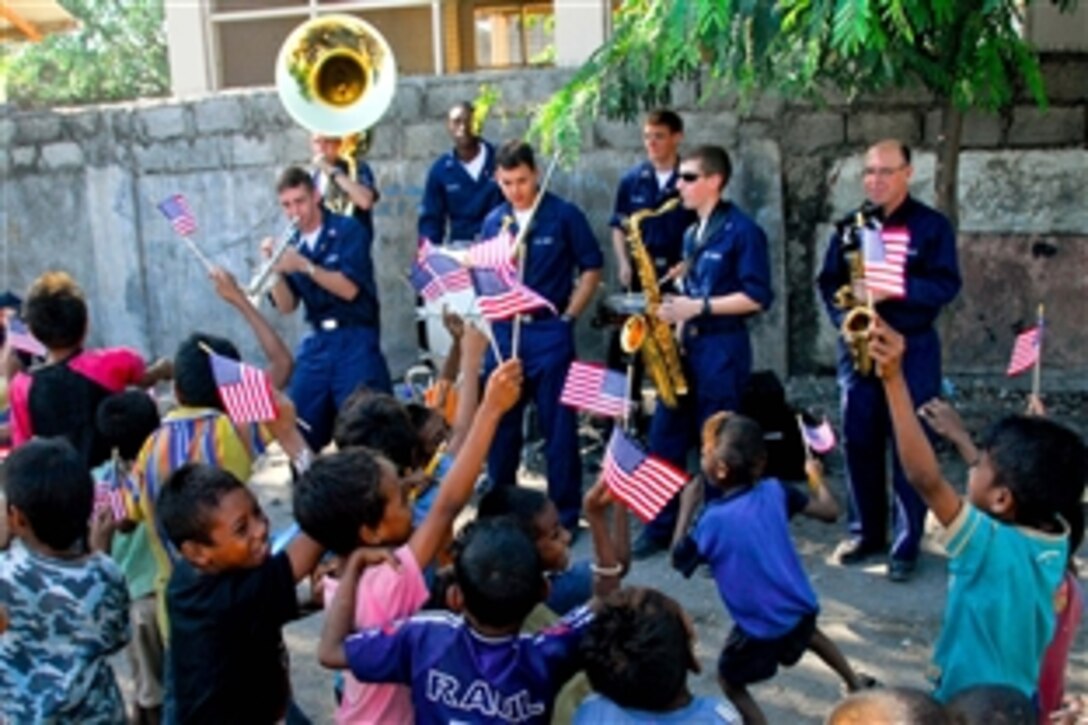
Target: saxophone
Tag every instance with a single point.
(646, 332)
(859, 313)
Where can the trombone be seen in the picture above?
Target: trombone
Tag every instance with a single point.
(266, 277)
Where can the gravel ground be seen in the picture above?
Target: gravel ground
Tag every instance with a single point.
(885, 629)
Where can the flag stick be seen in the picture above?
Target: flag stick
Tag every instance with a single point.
(208, 266)
(487, 329)
(804, 438)
(522, 243)
(1037, 373)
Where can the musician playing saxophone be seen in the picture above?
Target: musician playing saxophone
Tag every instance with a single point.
(932, 280)
(330, 271)
(726, 280)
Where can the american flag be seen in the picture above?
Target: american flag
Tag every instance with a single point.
(819, 438)
(494, 253)
(113, 491)
(435, 274)
(885, 256)
(20, 338)
(1025, 352)
(596, 389)
(177, 212)
(245, 390)
(500, 296)
(644, 483)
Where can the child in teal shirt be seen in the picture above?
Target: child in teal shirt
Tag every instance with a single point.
(1006, 543)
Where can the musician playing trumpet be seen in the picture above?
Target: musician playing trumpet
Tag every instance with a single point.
(328, 268)
(931, 281)
(725, 278)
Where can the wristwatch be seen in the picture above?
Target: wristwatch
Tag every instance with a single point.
(706, 306)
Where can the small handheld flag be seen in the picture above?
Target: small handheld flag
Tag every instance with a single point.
(499, 296)
(884, 252)
(22, 339)
(641, 481)
(246, 391)
(176, 210)
(434, 274)
(596, 389)
(1025, 351)
(495, 253)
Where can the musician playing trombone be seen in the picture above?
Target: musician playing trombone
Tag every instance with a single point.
(328, 268)
(561, 261)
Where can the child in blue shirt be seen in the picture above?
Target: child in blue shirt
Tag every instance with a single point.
(1007, 543)
(474, 667)
(637, 653)
(744, 536)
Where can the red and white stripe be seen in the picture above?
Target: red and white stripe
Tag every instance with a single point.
(250, 400)
(890, 275)
(647, 489)
(1025, 352)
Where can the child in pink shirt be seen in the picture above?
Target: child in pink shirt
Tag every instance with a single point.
(354, 498)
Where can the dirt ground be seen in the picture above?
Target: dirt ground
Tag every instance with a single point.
(885, 629)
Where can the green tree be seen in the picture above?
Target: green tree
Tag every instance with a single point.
(118, 52)
(967, 53)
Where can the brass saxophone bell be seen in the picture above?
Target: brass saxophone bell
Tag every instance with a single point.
(855, 333)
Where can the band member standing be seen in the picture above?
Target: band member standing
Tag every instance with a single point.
(330, 271)
(330, 168)
(932, 281)
(559, 245)
(461, 187)
(647, 186)
(726, 279)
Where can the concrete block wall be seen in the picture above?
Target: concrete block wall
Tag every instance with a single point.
(77, 191)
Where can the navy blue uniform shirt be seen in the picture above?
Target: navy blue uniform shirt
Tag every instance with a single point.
(559, 244)
(343, 246)
(365, 176)
(452, 194)
(933, 273)
(731, 256)
(663, 235)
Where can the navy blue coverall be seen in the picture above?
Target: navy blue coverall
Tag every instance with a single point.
(731, 256)
(560, 245)
(452, 195)
(933, 280)
(343, 349)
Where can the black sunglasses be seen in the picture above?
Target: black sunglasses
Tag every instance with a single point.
(689, 177)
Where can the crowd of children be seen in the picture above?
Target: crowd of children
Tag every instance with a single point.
(432, 619)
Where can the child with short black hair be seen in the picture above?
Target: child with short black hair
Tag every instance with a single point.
(228, 599)
(66, 609)
(571, 584)
(60, 397)
(474, 667)
(992, 705)
(1007, 542)
(355, 498)
(744, 536)
(124, 421)
(637, 653)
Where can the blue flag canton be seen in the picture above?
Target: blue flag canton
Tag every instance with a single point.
(226, 371)
(442, 265)
(625, 452)
(488, 282)
(614, 384)
(872, 245)
(419, 277)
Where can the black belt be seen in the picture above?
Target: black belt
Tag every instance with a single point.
(329, 324)
(538, 316)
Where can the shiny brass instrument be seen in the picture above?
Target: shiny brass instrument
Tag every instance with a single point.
(336, 75)
(646, 332)
(266, 277)
(335, 198)
(859, 312)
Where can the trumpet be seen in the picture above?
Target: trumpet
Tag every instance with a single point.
(266, 277)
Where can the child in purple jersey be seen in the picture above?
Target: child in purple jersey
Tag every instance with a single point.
(474, 667)
(744, 536)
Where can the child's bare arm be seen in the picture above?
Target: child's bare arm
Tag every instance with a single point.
(608, 569)
(280, 361)
(340, 616)
(821, 504)
(304, 554)
(285, 429)
(473, 347)
(503, 392)
(916, 455)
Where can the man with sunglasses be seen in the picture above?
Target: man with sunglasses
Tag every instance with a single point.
(725, 278)
(932, 281)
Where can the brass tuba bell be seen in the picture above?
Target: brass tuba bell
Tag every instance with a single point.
(336, 75)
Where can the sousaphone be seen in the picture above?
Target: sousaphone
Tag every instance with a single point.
(336, 75)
